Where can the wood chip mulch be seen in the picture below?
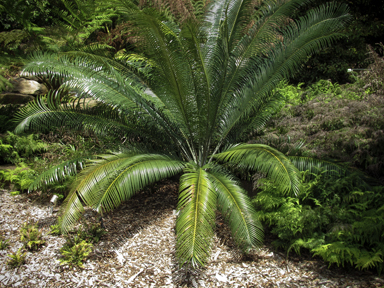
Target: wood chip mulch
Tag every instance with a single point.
(139, 251)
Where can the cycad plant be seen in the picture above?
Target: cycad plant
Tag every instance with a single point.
(198, 88)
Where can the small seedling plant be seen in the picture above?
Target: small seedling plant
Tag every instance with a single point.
(55, 229)
(31, 236)
(17, 258)
(91, 232)
(75, 251)
(78, 247)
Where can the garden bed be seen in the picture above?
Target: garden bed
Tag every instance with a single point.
(139, 251)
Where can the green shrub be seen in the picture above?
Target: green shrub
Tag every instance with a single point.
(291, 93)
(31, 236)
(17, 258)
(337, 218)
(15, 149)
(76, 254)
(55, 230)
(25, 146)
(21, 177)
(77, 247)
(75, 251)
(5, 149)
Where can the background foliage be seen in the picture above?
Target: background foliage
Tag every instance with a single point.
(340, 219)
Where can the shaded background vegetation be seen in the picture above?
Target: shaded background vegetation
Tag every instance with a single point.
(29, 25)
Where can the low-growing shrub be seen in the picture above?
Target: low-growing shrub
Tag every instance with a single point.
(19, 148)
(79, 244)
(75, 252)
(91, 232)
(55, 229)
(31, 236)
(340, 219)
(19, 178)
(17, 258)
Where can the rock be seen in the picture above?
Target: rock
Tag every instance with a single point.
(30, 87)
(15, 98)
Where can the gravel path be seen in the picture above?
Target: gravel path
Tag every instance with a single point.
(138, 251)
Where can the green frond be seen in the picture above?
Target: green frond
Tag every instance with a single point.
(103, 120)
(196, 221)
(59, 172)
(238, 211)
(328, 167)
(92, 79)
(38, 115)
(331, 168)
(255, 122)
(109, 181)
(260, 74)
(262, 158)
(173, 83)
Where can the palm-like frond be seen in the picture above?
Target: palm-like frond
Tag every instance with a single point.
(258, 157)
(101, 119)
(315, 165)
(59, 172)
(237, 210)
(107, 83)
(41, 116)
(195, 224)
(109, 181)
(261, 73)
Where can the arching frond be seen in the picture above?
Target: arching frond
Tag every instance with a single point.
(332, 168)
(328, 167)
(238, 211)
(132, 124)
(258, 157)
(115, 178)
(59, 172)
(111, 86)
(262, 72)
(195, 224)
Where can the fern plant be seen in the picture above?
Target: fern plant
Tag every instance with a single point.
(182, 106)
(340, 219)
(15, 149)
(20, 178)
(82, 18)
